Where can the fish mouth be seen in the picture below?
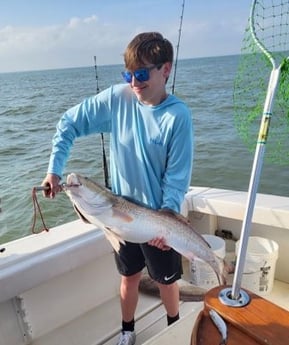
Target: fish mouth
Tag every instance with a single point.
(73, 180)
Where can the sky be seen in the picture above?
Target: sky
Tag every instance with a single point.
(48, 34)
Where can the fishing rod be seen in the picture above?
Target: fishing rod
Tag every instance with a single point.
(96, 75)
(65, 186)
(178, 46)
(104, 160)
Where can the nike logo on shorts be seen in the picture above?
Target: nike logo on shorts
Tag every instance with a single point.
(166, 278)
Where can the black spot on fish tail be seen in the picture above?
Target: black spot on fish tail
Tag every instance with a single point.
(208, 244)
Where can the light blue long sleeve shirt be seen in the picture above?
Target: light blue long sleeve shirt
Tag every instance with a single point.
(151, 147)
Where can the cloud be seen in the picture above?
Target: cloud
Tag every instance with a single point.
(69, 45)
(75, 42)
(212, 38)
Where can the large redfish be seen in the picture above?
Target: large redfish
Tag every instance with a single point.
(123, 220)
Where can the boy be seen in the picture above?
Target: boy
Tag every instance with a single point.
(151, 149)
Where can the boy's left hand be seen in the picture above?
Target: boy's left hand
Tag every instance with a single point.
(160, 243)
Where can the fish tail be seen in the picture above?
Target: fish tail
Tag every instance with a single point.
(221, 279)
(221, 273)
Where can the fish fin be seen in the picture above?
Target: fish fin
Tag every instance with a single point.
(222, 275)
(80, 215)
(221, 278)
(113, 238)
(171, 213)
(122, 215)
(224, 270)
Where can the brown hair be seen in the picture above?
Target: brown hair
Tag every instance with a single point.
(148, 47)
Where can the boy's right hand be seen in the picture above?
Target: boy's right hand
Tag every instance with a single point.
(51, 181)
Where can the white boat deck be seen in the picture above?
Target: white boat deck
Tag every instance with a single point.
(92, 327)
(61, 287)
(67, 292)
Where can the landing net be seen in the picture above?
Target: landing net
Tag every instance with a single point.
(272, 29)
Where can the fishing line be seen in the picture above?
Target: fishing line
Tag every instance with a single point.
(37, 210)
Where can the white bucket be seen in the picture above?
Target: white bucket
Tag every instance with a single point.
(260, 264)
(201, 273)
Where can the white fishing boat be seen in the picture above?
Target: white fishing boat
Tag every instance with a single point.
(61, 286)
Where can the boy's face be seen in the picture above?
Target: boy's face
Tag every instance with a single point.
(151, 91)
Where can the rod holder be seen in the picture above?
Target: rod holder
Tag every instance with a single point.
(225, 296)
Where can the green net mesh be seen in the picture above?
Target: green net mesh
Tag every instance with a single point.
(271, 27)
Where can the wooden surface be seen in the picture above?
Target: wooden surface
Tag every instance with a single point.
(258, 323)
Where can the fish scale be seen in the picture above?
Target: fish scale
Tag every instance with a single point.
(123, 220)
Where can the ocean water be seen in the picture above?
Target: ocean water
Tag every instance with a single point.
(32, 102)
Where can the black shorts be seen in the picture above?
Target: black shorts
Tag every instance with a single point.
(164, 266)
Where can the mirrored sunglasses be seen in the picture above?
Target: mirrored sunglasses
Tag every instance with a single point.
(141, 74)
